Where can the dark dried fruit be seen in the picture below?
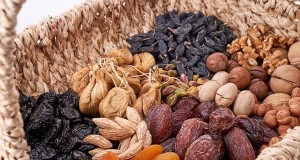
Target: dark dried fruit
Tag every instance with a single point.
(203, 110)
(168, 145)
(159, 122)
(178, 117)
(190, 130)
(238, 145)
(186, 104)
(205, 148)
(220, 119)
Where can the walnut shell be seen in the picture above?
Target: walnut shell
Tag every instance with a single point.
(244, 103)
(278, 101)
(284, 79)
(226, 94)
(294, 54)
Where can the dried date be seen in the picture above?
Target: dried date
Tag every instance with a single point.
(204, 109)
(178, 117)
(159, 122)
(186, 104)
(168, 145)
(238, 145)
(220, 119)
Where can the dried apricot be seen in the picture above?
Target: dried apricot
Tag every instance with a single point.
(110, 156)
(149, 153)
(167, 156)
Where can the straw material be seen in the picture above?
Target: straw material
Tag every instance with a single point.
(48, 53)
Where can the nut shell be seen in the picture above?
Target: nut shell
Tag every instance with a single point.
(294, 54)
(221, 77)
(226, 95)
(259, 88)
(212, 87)
(240, 77)
(284, 79)
(278, 101)
(294, 104)
(217, 62)
(258, 72)
(244, 103)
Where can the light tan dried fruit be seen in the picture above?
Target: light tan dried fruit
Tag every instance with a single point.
(123, 56)
(143, 61)
(116, 134)
(115, 103)
(100, 154)
(132, 150)
(98, 140)
(95, 151)
(80, 80)
(133, 79)
(106, 123)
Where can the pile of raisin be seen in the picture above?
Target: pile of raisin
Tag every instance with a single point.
(55, 128)
(184, 40)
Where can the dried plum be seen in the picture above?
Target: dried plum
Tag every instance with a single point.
(43, 152)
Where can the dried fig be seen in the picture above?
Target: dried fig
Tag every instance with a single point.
(123, 56)
(80, 80)
(143, 61)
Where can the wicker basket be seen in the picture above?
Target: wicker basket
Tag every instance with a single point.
(45, 55)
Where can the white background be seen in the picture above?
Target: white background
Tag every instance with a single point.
(33, 11)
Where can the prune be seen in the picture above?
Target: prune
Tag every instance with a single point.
(42, 152)
(220, 119)
(77, 155)
(186, 104)
(257, 132)
(168, 145)
(69, 113)
(178, 117)
(69, 99)
(203, 110)
(238, 145)
(49, 97)
(159, 122)
(41, 119)
(190, 130)
(54, 130)
(205, 148)
(174, 18)
(81, 130)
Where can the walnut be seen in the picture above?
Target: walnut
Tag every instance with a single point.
(247, 58)
(234, 46)
(272, 61)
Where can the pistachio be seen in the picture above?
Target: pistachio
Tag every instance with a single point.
(171, 99)
(193, 83)
(172, 73)
(244, 103)
(193, 92)
(170, 67)
(168, 90)
(201, 81)
(182, 85)
(226, 94)
(195, 77)
(184, 78)
(180, 92)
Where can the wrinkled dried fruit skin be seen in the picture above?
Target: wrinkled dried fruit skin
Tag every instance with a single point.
(257, 132)
(203, 110)
(168, 145)
(159, 122)
(178, 117)
(190, 130)
(220, 119)
(186, 103)
(205, 148)
(238, 145)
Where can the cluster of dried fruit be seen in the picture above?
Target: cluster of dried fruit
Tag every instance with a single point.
(54, 127)
(201, 131)
(184, 40)
(261, 44)
(120, 80)
(132, 134)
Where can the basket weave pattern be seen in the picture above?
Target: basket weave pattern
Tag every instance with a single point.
(46, 54)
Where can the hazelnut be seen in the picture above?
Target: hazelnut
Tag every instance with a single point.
(258, 72)
(232, 64)
(296, 92)
(283, 117)
(259, 88)
(270, 119)
(294, 104)
(244, 103)
(284, 79)
(294, 122)
(234, 56)
(240, 77)
(217, 62)
(294, 55)
(261, 109)
(283, 129)
(274, 140)
(278, 101)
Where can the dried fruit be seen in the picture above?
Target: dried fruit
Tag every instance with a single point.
(159, 122)
(123, 56)
(178, 117)
(186, 103)
(240, 77)
(168, 145)
(110, 156)
(205, 148)
(203, 110)
(143, 61)
(238, 145)
(149, 153)
(80, 80)
(220, 119)
(115, 103)
(191, 130)
(167, 156)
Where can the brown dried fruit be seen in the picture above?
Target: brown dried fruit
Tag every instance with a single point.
(203, 110)
(219, 119)
(159, 121)
(115, 103)
(191, 130)
(143, 61)
(294, 104)
(123, 56)
(168, 145)
(178, 117)
(216, 62)
(205, 148)
(238, 145)
(80, 80)
(186, 103)
(258, 72)
(240, 77)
